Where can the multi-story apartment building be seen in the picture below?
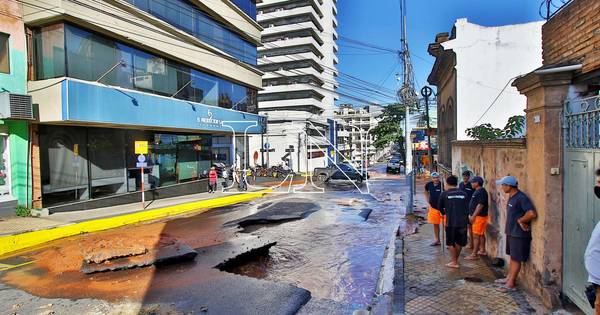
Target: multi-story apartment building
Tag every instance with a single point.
(15, 110)
(355, 142)
(178, 74)
(298, 58)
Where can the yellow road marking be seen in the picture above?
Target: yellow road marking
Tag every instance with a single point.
(12, 243)
(7, 266)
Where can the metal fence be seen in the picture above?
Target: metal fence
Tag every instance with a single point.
(582, 123)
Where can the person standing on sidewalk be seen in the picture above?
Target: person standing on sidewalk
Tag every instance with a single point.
(212, 180)
(454, 203)
(478, 217)
(592, 258)
(433, 190)
(465, 186)
(520, 213)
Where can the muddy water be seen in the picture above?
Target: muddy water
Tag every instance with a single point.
(334, 253)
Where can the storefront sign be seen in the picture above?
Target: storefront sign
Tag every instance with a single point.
(209, 120)
(141, 147)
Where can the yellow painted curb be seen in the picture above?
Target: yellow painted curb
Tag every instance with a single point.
(12, 243)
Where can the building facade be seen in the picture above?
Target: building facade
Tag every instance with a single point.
(475, 65)
(178, 74)
(298, 58)
(15, 187)
(355, 141)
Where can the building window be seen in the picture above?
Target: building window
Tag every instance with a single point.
(185, 16)
(4, 51)
(70, 51)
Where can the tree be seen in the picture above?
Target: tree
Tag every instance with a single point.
(388, 130)
(514, 128)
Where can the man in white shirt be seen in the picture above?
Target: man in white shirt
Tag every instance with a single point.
(592, 253)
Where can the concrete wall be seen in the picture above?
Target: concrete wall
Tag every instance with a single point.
(16, 82)
(493, 160)
(486, 60)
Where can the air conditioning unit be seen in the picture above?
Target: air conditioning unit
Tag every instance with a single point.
(143, 82)
(15, 106)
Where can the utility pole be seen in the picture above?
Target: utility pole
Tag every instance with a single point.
(407, 91)
(426, 92)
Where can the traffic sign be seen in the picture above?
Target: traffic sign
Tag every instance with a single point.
(267, 146)
(141, 158)
(141, 164)
(141, 147)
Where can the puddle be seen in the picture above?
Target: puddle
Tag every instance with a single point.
(252, 264)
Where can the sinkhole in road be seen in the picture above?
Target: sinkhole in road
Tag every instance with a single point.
(252, 263)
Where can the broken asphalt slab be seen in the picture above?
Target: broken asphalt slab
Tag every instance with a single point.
(227, 293)
(282, 211)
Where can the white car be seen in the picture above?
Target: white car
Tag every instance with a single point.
(393, 166)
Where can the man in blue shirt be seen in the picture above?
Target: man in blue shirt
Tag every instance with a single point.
(433, 190)
(519, 213)
(478, 216)
(466, 186)
(454, 203)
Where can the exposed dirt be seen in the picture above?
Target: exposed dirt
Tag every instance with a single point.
(56, 270)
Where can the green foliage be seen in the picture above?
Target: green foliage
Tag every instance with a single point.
(388, 131)
(514, 128)
(22, 211)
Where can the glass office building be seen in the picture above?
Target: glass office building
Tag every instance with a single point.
(100, 94)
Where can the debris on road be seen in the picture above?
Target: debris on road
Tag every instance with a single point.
(169, 254)
(365, 213)
(287, 210)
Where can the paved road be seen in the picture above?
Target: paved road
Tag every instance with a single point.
(326, 258)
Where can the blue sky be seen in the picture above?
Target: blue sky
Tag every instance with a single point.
(380, 25)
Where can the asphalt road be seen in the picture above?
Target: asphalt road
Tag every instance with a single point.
(311, 252)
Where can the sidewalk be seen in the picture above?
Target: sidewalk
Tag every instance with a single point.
(432, 288)
(21, 233)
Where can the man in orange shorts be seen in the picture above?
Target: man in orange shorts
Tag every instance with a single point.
(433, 190)
(478, 217)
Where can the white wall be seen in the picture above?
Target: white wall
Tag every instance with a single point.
(486, 59)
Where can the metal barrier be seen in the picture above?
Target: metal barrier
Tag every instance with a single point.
(411, 181)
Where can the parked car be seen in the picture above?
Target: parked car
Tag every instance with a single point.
(393, 165)
(339, 172)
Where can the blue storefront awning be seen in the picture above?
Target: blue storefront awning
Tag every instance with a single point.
(99, 104)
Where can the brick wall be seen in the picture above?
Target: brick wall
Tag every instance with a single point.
(573, 36)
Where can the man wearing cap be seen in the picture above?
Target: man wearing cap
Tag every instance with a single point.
(478, 217)
(519, 213)
(433, 190)
(465, 186)
(455, 205)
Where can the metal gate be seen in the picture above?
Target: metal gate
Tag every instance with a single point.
(581, 159)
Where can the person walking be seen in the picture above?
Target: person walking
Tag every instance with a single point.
(478, 217)
(225, 178)
(212, 180)
(433, 190)
(519, 214)
(592, 259)
(465, 186)
(454, 204)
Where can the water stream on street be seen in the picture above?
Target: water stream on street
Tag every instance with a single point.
(334, 253)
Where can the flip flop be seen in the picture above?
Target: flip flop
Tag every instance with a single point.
(505, 289)
(450, 265)
(482, 253)
(471, 258)
(435, 244)
(501, 281)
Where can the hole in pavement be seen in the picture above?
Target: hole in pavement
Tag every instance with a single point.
(473, 279)
(252, 263)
